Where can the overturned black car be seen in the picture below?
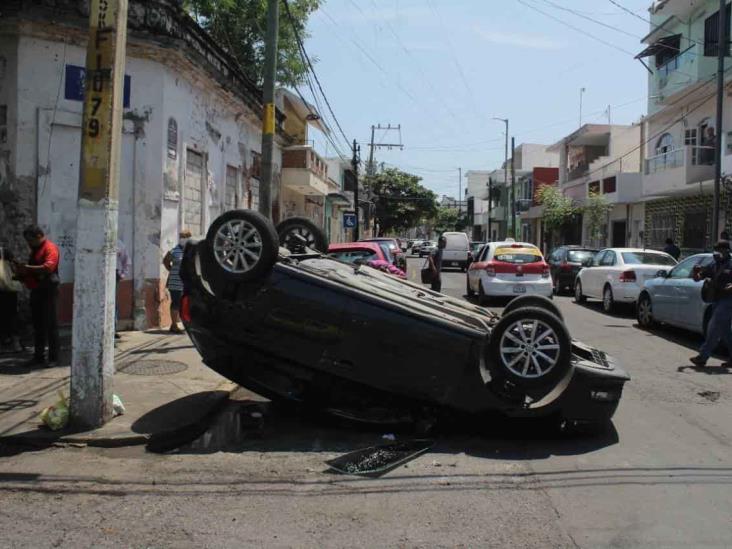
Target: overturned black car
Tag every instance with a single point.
(268, 311)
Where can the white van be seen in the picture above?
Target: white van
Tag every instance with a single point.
(456, 250)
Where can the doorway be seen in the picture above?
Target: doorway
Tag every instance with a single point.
(620, 231)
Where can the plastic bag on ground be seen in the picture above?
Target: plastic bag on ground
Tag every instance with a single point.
(56, 416)
(117, 407)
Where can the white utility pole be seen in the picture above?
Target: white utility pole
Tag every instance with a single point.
(92, 363)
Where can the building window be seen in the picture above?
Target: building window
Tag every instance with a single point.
(256, 165)
(609, 185)
(665, 144)
(711, 33)
(172, 139)
(669, 48)
(593, 188)
(690, 137)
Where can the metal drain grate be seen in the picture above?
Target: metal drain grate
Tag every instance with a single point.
(152, 367)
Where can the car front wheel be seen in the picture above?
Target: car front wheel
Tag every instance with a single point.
(530, 347)
(298, 232)
(645, 312)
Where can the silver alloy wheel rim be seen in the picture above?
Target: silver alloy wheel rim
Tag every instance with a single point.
(644, 312)
(237, 246)
(529, 348)
(607, 299)
(303, 231)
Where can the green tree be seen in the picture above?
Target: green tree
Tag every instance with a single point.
(558, 209)
(446, 220)
(595, 211)
(239, 26)
(400, 202)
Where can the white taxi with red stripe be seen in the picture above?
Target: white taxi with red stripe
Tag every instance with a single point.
(509, 269)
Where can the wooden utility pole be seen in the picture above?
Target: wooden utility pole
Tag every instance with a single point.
(92, 362)
(269, 196)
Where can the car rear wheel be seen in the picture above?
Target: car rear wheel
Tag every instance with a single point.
(298, 232)
(482, 298)
(469, 291)
(578, 296)
(608, 302)
(645, 312)
(242, 245)
(530, 347)
(538, 301)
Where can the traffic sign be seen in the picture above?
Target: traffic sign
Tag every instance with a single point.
(349, 220)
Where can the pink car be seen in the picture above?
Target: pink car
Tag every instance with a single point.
(369, 252)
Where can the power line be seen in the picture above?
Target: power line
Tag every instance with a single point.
(588, 18)
(577, 29)
(312, 69)
(655, 27)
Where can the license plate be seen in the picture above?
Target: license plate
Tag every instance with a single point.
(453, 263)
(517, 289)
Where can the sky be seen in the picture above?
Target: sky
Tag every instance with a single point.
(442, 69)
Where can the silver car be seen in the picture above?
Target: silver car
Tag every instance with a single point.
(674, 298)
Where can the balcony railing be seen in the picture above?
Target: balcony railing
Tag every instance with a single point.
(700, 156)
(672, 65)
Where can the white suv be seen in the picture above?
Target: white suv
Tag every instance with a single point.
(457, 248)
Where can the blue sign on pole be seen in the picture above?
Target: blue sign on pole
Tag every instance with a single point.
(349, 220)
(76, 82)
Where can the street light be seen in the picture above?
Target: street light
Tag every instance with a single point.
(582, 91)
(505, 165)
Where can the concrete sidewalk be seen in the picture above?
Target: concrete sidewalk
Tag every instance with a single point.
(160, 379)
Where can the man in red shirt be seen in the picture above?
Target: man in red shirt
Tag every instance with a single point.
(40, 275)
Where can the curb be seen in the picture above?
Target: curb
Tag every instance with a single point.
(45, 439)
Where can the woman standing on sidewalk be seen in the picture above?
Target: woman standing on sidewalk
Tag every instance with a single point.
(172, 261)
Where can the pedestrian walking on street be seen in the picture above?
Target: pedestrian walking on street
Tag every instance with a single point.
(9, 289)
(720, 275)
(435, 259)
(672, 249)
(172, 262)
(40, 275)
(122, 272)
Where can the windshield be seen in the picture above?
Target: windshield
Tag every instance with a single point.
(350, 256)
(647, 258)
(518, 255)
(578, 256)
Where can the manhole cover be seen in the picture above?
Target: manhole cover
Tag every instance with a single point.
(152, 367)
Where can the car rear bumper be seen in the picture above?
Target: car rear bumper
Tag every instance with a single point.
(627, 292)
(502, 288)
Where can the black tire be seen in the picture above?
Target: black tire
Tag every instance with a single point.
(644, 312)
(469, 291)
(553, 363)
(538, 301)
(482, 298)
(223, 239)
(289, 229)
(579, 297)
(608, 301)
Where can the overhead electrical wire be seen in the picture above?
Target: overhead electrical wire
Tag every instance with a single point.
(577, 29)
(655, 27)
(312, 69)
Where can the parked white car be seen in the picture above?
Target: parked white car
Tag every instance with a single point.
(457, 250)
(509, 268)
(617, 275)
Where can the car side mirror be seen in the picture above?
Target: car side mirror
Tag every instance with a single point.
(663, 273)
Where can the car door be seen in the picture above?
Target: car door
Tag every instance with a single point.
(592, 274)
(476, 267)
(665, 292)
(609, 271)
(689, 307)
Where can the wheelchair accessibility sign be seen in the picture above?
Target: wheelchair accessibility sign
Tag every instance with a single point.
(349, 220)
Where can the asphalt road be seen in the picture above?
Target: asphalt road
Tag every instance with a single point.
(661, 478)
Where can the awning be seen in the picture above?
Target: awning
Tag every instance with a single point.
(657, 30)
(662, 44)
